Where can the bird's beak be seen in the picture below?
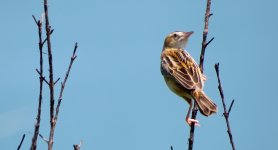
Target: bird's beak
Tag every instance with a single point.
(187, 34)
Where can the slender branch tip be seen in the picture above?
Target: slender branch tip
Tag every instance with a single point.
(35, 19)
(56, 81)
(231, 105)
(209, 41)
(22, 139)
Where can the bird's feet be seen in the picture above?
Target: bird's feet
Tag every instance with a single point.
(189, 121)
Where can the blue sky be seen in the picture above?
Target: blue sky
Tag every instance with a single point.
(116, 97)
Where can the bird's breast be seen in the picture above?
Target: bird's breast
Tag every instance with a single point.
(177, 88)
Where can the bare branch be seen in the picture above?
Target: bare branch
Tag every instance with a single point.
(46, 38)
(74, 51)
(22, 139)
(35, 20)
(43, 138)
(192, 127)
(226, 114)
(63, 84)
(56, 81)
(205, 33)
(77, 147)
(209, 41)
(51, 81)
(42, 78)
(171, 148)
(230, 108)
(210, 15)
(201, 65)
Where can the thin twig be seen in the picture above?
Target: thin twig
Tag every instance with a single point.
(171, 148)
(63, 84)
(209, 41)
(56, 81)
(75, 147)
(46, 38)
(205, 33)
(22, 139)
(226, 113)
(43, 138)
(201, 65)
(192, 127)
(42, 78)
(78, 146)
(51, 82)
(35, 19)
(230, 108)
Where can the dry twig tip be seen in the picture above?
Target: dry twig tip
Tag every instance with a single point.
(226, 113)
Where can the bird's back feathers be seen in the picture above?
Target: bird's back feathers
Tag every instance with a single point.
(179, 65)
(183, 75)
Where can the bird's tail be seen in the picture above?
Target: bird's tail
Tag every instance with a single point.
(205, 104)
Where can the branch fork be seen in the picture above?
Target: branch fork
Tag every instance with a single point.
(51, 83)
(226, 113)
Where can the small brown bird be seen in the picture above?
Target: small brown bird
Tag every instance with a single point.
(183, 76)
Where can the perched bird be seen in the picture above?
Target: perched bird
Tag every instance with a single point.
(183, 76)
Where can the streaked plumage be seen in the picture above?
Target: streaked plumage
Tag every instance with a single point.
(182, 74)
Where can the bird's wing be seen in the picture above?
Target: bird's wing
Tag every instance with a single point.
(179, 65)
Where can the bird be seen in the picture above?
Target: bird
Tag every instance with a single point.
(183, 76)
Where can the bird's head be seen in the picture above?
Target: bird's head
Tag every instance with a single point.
(177, 39)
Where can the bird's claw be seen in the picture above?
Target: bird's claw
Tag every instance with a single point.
(189, 121)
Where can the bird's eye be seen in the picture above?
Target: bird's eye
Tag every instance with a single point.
(175, 35)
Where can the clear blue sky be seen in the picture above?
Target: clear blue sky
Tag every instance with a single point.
(116, 97)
